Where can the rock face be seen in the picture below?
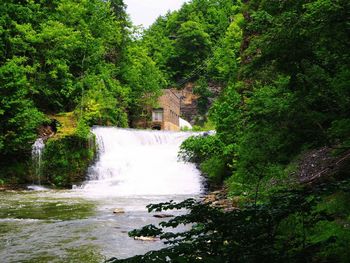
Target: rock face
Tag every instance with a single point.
(219, 199)
(321, 164)
(46, 132)
(189, 100)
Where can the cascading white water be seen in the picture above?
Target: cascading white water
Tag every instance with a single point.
(134, 168)
(37, 150)
(185, 124)
(138, 162)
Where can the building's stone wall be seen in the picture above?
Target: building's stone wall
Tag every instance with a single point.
(170, 103)
(168, 126)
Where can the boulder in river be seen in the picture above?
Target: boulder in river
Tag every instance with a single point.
(162, 216)
(118, 211)
(142, 238)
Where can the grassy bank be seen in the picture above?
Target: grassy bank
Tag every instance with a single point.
(65, 159)
(68, 153)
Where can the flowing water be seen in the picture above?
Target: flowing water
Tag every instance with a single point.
(133, 169)
(37, 150)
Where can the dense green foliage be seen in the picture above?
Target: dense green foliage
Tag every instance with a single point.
(67, 55)
(66, 159)
(284, 66)
(19, 117)
(185, 43)
(207, 151)
(299, 225)
(198, 44)
(289, 93)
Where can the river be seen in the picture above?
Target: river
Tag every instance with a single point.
(134, 168)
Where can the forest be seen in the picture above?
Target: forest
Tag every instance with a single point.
(282, 129)
(282, 121)
(77, 57)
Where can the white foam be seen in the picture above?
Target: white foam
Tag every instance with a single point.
(37, 188)
(135, 162)
(185, 124)
(37, 151)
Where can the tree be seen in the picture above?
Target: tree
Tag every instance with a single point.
(18, 116)
(144, 79)
(192, 46)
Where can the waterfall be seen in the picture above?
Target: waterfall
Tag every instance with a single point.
(37, 150)
(185, 124)
(139, 162)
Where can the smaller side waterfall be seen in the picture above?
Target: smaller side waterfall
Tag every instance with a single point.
(185, 124)
(37, 150)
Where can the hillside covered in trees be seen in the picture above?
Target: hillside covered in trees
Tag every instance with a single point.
(68, 56)
(282, 120)
(282, 124)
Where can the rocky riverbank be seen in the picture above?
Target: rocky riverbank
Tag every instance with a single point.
(220, 199)
(13, 187)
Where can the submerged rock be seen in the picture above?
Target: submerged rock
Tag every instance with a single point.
(118, 211)
(142, 238)
(162, 216)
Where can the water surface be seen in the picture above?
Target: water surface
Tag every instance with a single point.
(133, 169)
(61, 226)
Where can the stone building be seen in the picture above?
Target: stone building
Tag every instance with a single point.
(166, 115)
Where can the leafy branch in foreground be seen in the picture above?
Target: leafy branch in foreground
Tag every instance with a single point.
(296, 225)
